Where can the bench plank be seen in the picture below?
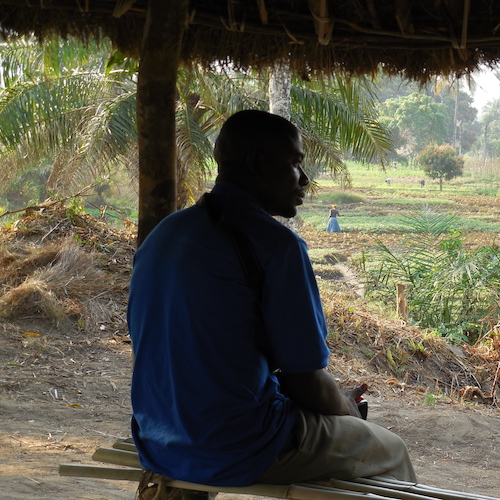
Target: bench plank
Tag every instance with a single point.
(423, 489)
(100, 472)
(117, 456)
(125, 445)
(124, 453)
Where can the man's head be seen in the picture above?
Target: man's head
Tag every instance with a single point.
(262, 153)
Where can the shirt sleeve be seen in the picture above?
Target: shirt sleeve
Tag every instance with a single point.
(293, 314)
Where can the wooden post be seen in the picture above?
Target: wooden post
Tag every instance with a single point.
(401, 303)
(156, 96)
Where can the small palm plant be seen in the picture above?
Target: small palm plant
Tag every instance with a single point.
(450, 289)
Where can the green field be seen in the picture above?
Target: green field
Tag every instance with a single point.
(393, 233)
(372, 205)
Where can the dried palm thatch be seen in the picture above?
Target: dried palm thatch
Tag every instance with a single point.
(57, 289)
(60, 266)
(417, 39)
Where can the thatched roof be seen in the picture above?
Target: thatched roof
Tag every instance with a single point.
(416, 38)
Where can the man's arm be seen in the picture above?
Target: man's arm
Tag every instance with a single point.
(318, 392)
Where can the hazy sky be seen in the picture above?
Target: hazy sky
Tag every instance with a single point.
(487, 88)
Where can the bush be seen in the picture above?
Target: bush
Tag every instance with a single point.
(449, 289)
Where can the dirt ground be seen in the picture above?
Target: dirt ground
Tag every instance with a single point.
(64, 390)
(64, 396)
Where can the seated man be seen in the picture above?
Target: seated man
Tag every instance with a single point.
(229, 385)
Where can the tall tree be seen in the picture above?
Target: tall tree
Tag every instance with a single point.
(417, 120)
(489, 141)
(280, 101)
(395, 87)
(462, 125)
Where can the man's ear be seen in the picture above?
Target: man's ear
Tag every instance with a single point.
(253, 163)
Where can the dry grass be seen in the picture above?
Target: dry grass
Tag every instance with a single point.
(57, 283)
(61, 266)
(377, 347)
(74, 270)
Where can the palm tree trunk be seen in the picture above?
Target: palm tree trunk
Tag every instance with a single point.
(280, 104)
(279, 91)
(485, 145)
(156, 92)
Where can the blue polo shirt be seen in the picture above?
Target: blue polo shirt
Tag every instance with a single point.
(206, 408)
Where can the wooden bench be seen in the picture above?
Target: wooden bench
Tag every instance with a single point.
(124, 454)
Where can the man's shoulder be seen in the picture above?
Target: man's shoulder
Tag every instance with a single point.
(178, 217)
(273, 240)
(176, 225)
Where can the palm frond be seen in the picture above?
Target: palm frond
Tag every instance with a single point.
(343, 113)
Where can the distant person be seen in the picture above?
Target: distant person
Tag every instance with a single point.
(333, 223)
(422, 183)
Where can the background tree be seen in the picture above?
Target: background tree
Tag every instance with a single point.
(395, 87)
(488, 144)
(463, 127)
(415, 120)
(441, 162)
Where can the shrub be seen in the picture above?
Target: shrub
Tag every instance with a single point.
(441, 162)
(450, 289)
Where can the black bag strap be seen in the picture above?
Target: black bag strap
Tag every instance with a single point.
(254, 274)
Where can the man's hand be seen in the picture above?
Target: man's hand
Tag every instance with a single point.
(357, 392)
(318, 392)
(354, 396)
